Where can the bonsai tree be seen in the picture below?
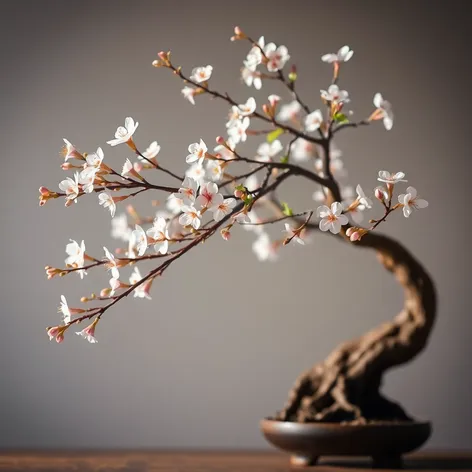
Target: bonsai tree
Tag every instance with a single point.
(220, 194)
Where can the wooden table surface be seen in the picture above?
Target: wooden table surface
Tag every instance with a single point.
(149, 461)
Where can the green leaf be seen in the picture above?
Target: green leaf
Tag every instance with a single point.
(248, 200)
(286, 210)
(241, 187)
(340, 118)
(273, 135)
(284, 159)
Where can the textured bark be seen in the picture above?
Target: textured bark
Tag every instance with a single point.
(345, 387)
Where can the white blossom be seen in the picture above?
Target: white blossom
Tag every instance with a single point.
(266, 151)
(107, 201)
(331, 218)
(111, 264)
(120, 228)
(364, 201)
(94, 159)
(196, 172)
(71, 188)
(290, 111)
(201, 74)
(159, 234)
(254, 57)
(190, 217)
(277, 57)
(127, 167)
(247, 108)
(138, 236)
(76, 256)
(313, 120)
(141, 291)
(333, 94)
(151, 152)
(385, 176)
(124, 133)
(189, 94)
(174, 203)
(87, 178)
(238, 131)
(222, 208)
(64, 309)
(343, 55)
(250, 76)
(88, 333)
(291, 233)
(410, 201)
(303, 150)
(385, 111)
(197, 152)
(214, 171)
(264, 248)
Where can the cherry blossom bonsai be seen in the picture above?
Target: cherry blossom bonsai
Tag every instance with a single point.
(217, 198)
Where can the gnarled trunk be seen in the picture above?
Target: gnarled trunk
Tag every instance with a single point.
(345, 387)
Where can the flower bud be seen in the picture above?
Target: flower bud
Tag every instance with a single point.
(66, 166)
(220, 140)
(379, 194)
(350, 230)
(355, 236)
(273, 100)
(105, 292)
(239, 193)
(44, 191)
(225, 234)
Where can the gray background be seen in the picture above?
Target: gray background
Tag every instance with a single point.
(175, 373)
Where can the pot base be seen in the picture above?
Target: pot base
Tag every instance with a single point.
(385, 442)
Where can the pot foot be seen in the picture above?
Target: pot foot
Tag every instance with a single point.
(387, 462)
(303, 461)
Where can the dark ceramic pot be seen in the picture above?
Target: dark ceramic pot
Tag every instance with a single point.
(384, 442)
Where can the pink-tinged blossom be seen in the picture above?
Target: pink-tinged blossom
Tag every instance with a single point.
(410, 201)
(387, 177)
(71, 188)
(124, 134)
(384, 111)
(343, 55)
(70, 152)
(290, 112)
(201, 74)
(277, 57)
(56, 332)
(267, 151)
(188, 192)
(107, 201)
(76, 256)
(222, 208)
(332, 218)
(197, 152)
(190, 217)
(238, 131)
(159, 235)
(209, 196)
(88, 333)
(313, 121)
(111, 263)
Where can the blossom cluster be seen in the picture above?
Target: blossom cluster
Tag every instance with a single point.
(213, 196)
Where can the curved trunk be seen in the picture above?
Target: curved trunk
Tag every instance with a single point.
(345, 387)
